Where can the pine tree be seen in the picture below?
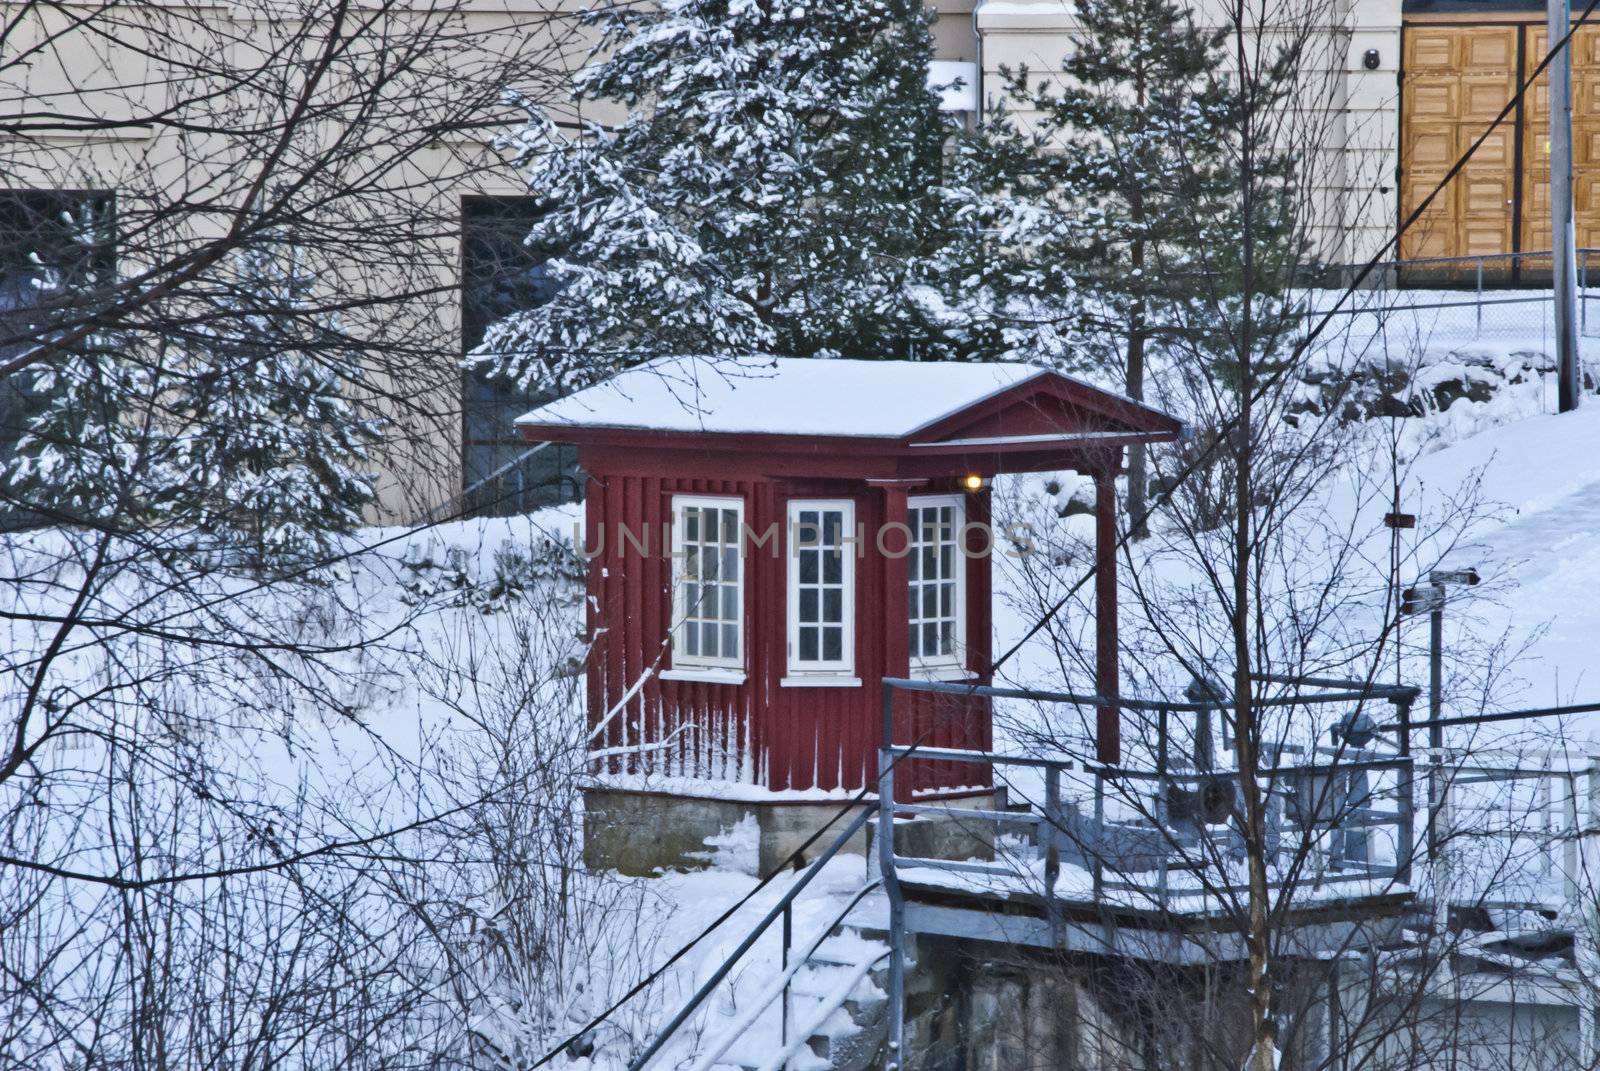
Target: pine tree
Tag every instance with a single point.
(274, 447)
(84, 452)
(1120, 185)
(237, 433)
(775, 188)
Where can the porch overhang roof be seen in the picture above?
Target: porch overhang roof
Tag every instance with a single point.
(878, 418)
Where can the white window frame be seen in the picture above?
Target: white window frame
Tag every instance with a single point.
(841, 671)
(954, 664)
(687, 666)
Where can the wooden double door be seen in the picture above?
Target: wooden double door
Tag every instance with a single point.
(1457, 78)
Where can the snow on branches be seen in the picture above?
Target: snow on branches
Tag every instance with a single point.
(775, 188)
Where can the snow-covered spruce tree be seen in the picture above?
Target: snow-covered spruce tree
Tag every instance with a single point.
(275, 449)
(83, 450)
(1119, 180)
(773, 189)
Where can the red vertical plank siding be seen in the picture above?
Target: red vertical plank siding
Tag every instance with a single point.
(626, 569)
(594, 618)
(886, 616)
(763, 606)
(875, 597)
(775, 745)
(701, 724)
(649, 615)
(979, 722)
(617, 598)
(653, 609)
(613, 637)
(777, 737)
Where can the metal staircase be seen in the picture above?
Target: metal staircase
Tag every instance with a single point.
(834, 1011)
(833, 1005)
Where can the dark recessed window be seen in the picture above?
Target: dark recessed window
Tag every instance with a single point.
(53, 245)
(501, 275)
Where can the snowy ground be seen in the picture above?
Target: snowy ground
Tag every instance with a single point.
(1538, 546)
(1536, 543)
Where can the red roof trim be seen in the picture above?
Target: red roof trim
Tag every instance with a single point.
(1137, 416)
(1141, 424)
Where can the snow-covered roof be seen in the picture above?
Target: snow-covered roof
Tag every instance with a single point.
(782, 396)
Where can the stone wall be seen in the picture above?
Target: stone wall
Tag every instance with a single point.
(642, 833)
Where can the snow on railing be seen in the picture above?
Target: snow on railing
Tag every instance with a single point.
(1507, 829)
(1465, 828)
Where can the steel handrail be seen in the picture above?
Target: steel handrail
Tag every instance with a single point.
(771, 916)
(780, 985)
(1352, 691)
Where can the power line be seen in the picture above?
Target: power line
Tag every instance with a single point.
(1274, 379)
(1162, 498)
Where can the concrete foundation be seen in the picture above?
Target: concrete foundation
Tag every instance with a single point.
(980, 1006)
(984, 1006)
(641, 833)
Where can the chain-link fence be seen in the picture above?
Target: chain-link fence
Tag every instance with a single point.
(1504, 297)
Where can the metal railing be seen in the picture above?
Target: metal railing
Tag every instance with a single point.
(1526, 803)
(1064, 836)
(1492, 282)
(1185, 817)
(1500, 829)
(780, 989)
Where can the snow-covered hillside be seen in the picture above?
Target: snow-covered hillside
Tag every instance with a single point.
(1540, 551)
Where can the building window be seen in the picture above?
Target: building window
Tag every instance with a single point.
(936, 596)
(52, 244)
(501, 275)
(821, 588)
(708, 583)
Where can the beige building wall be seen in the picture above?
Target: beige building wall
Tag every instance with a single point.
(1348, 112)
(177, 182)
(88, 76)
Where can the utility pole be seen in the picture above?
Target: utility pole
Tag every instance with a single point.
(1563, 249)
(1431, 600)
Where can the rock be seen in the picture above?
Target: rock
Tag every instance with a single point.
(1536, 359)
(1075, 506)
(1387, 405)
(1447, 392)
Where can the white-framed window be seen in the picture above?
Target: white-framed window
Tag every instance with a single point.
(822, 587)
(707, 582)
(936, 583)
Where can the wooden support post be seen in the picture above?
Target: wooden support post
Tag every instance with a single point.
(1108, 724)
(896, 634)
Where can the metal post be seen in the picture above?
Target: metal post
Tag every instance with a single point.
(1406, 849)
(895, 1057)
(788, 937)
(1052, 850)
(1478, 333)
(1569, 854)
(1587, 863)
(1163, 813)
(1583, 293)
(1097, 867)
(1435, 706)
(1563, 255)
(1547, 856)
(1204, 749)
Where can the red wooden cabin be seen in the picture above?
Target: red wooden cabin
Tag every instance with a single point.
(772, 537)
